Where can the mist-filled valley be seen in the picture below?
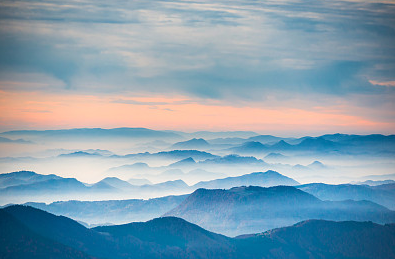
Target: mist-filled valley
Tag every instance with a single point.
(234, 184)
(90, 155)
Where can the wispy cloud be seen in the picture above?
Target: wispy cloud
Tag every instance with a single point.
(387, 83)
(134, 102)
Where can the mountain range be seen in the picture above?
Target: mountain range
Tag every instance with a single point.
(381, 194)
(32, 233)
(111, 211)
(242, 210)
(92, 133)
(25, 186)
(29, 186)
(191, 144)
(121, 211)
(336, 143)
(264, 179)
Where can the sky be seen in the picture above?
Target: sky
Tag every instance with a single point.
(278, 67)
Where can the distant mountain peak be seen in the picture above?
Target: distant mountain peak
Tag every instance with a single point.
(274, 155)
(265, 179)
(113, 182)
(173, 183)
(316, 141)
(22, 173)
(79, 154)
(186, 161)
(317, 165)
(253, 144)
(191, 144)
(250, 147)
(281, 144)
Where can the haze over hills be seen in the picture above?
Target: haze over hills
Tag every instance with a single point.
(111, 211)
(217, 134)
(19, 141)
(378, 194)
(93, 133)
(327, 143)
(264, 179)
(23, 177)
(171, 237)
(234, 164)
(242, 210)
(21, 186)
(117, 211)
(373, 182)
(349, 157)
(191, 144)
(36, 187)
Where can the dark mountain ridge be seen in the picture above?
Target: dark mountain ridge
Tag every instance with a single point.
(19, 241)
(31, 233)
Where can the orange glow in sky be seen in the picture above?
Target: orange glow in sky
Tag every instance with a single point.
(33, 110)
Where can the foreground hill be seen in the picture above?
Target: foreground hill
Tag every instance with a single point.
(169, 237)
(251, 209)
(326, 239)
(61, 230)
(49, 236)
(19, 241)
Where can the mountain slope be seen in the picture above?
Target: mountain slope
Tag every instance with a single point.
(171, 237)
(184, 162)
(18, 241)
(263, 179)
(191, 144)
(62, 230)
(324, 239)
(47, 235)
(253, 209)
(117, 183)
(23, 177)
(113, 211)
(251, 147)
(233, 160)
(377, 194)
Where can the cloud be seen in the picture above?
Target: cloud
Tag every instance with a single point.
(238, 53)
(388, 83)
(134, 102)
